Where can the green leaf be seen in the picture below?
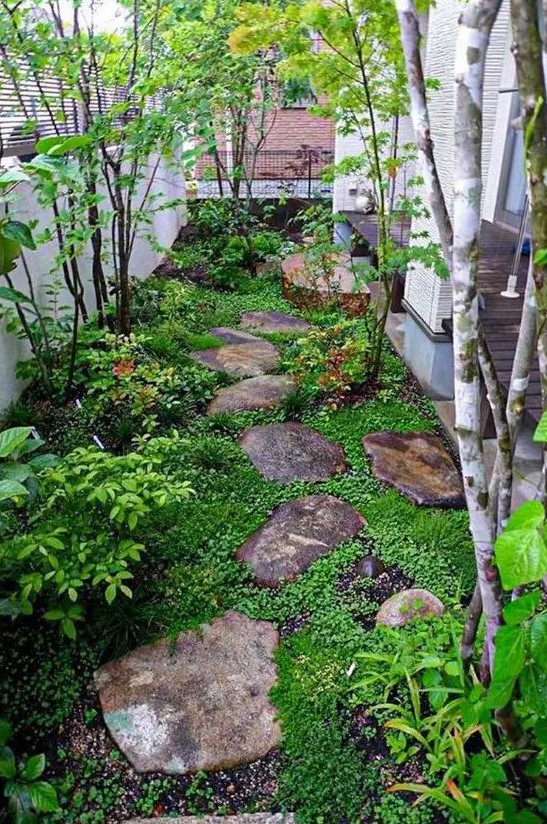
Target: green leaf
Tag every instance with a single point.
(11, 176)
(9, 609)
(528, 516)
(540, 731)
(34, 767)
(12, 295)
(533, 688)
(110, 593)
(8, 766)
(43, 461)
(46, 143)
(43, 797)
(538, 640)
(500, 693)
(11, 489)
(522, 608)
(69, 628)
(521, 556)
(510, 652)
(9, 252)
(12, 439)
(540, 257)
(15, 471)
(19, 232)
(540, 434)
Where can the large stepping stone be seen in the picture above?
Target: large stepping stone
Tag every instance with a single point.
(407, 605)
(297, 534)
(242, 818)
(242, 360)
(263, 392)
(273, 322)
(417, 465)
(303, 288)
(292, 452)
(234, 335)
(200, 704)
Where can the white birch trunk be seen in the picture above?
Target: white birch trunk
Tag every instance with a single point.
(476, 24)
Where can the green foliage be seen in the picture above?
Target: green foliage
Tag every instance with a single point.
(17, 469)
(27, 796)
(332, 362)
(83, 533)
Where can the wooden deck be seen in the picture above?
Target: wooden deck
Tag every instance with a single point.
(500, 316)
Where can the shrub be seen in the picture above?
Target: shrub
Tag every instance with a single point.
(85, 532)
(333, 362)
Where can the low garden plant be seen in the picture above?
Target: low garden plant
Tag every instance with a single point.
(137, 540)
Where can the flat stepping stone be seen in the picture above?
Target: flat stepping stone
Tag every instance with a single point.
(292, 452)
(242, 360)
(234, 335)
(297, 534)
(263, 392)
(273, 322)
(418, 466)
(201, 704)
(407, 605)
(243, 818)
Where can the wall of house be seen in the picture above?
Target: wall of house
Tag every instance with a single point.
(168, 185)
(428, 296)
(347, 187)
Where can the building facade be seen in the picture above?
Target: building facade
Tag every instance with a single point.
(428, 299)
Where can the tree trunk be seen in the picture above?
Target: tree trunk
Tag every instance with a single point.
(528, 54)
(476, 24)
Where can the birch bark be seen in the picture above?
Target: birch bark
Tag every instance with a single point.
(528, 53)
(475, 26)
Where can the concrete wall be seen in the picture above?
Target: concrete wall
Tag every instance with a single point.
(168, 185)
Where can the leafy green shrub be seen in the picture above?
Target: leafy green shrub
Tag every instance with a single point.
(83, 534)
(17, 470)
(333, 362)
(26, 795)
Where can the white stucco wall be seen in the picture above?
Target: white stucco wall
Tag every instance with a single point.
(168, 185)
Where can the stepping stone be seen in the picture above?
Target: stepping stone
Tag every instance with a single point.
(274, 322)
(407, 605)
(263, 392)
(200, 704)
(297, 534)
(418, 466)
(242, 360)
(242, 818)
(370, 567)
(234, 335)
(292, 452)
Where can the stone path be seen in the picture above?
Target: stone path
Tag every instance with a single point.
(417, 465)
(297, 534)
(243, 818)
(243, 360)
(262, 392)
(291, 451)
(201, 704)
(274, 322)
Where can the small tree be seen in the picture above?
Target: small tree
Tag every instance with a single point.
(359, 76)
